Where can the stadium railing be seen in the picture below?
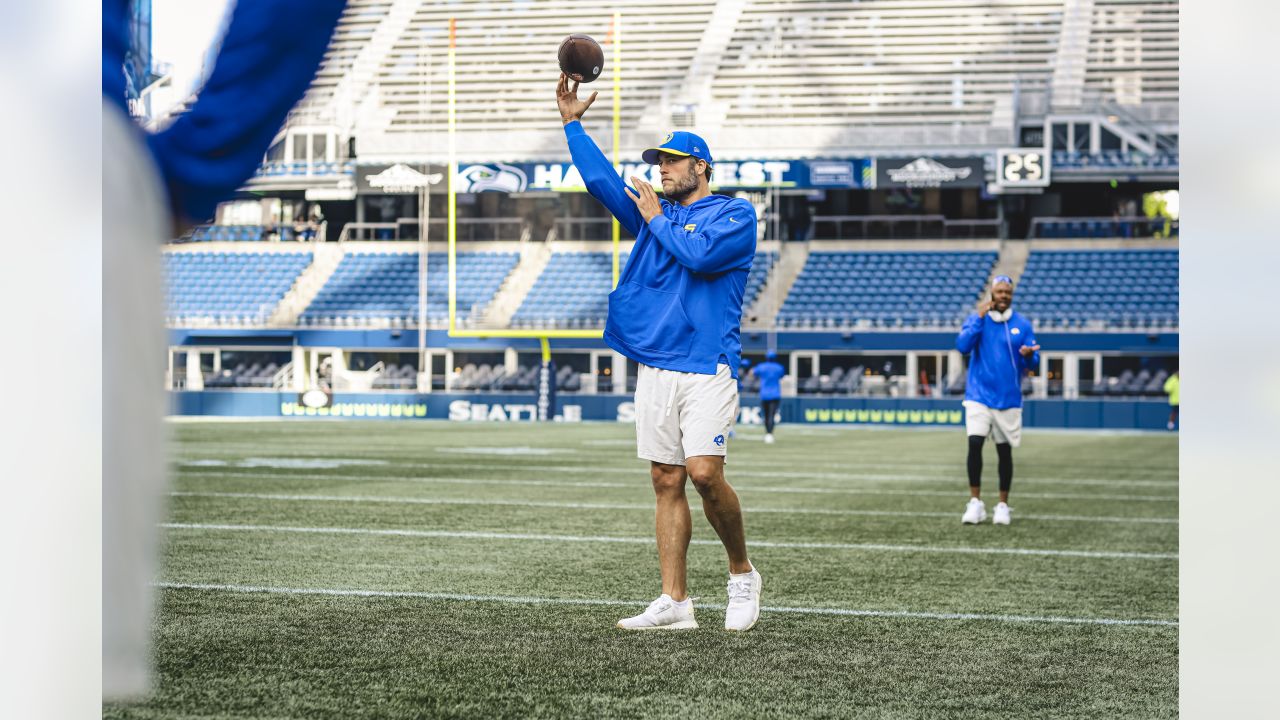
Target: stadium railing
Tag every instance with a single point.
(901, 227)
(469, 230)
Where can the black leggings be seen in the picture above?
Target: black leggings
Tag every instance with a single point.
(770, 408)
(1003, 450)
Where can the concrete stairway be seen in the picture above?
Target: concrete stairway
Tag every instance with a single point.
(533, 261)
(1012, 262)
(774, 292)
(326, 258)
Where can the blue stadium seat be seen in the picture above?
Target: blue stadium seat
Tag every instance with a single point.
(841, 289)
(242, 287)
(1115, 288)
(372, 286)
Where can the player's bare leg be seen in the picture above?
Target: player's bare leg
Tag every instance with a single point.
(721, 506)
(674, 527)
(720, 503)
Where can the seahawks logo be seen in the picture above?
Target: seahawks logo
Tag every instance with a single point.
(497, 177)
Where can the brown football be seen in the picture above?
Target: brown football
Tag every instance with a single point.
(581, 58)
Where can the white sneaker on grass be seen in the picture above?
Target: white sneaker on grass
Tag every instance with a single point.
(662, 614)
(1002, 515)
(975, 512)
(768, 438)
(744, 601)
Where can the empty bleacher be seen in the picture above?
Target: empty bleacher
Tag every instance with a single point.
(229, 287)
(243, 375)
(495, 378)
(885, 289)
(224, 233)
(572, 292)
(874, 73)
(1124, 289)
(760, 269)
(1101, 227)
(1114, 160)
(382, 287)
(391, 54)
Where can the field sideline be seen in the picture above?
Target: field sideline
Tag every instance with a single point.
(365, 569)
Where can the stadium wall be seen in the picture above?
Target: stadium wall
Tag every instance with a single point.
(1117, 414)
(752, 340)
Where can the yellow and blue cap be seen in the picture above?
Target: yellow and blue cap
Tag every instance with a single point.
(679, 143)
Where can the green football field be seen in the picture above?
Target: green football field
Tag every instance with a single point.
(369, 569)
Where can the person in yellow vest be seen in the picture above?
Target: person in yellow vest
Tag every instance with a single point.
(1171, 388)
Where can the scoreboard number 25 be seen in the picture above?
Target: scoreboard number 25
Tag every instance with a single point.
(1021, 167)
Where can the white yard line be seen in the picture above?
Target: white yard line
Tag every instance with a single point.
(526, 600)
(852, 470)
(201, 473)
(535, 537)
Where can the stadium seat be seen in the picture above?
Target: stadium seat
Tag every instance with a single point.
(1125, 289)
(240, 287)
(885, 289)
(382, 287)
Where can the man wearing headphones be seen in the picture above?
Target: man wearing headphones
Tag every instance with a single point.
(1003, 348)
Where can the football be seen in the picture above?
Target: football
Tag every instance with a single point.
(581, 58)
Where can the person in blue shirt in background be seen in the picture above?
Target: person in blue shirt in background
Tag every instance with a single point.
(677, 312)
(770, 373)
(154, 185)
(1002, 348)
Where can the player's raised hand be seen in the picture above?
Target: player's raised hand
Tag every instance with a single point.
(1028, 350)
(985, 307)
(646, 200)
(571, 108)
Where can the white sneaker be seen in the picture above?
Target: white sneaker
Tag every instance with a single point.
(1002, 515)
(975, 512)
(744, 601)
(662, 614)
(768, 438)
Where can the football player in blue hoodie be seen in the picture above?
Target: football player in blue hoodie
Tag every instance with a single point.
(677, 312)
(1002, 348)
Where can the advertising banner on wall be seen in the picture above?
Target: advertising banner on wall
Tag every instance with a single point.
(851, 173)
(808, 174)
(399, 179)
(924, 171)
(523, 408)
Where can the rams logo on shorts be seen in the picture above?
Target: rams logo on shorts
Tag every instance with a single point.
(718, 440)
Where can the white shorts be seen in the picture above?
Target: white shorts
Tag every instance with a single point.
(681, 415)
(1005, 426)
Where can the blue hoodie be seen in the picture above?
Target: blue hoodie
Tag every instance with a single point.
(770, 373)
(267, 59)
(678, 304)
(995, 366)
